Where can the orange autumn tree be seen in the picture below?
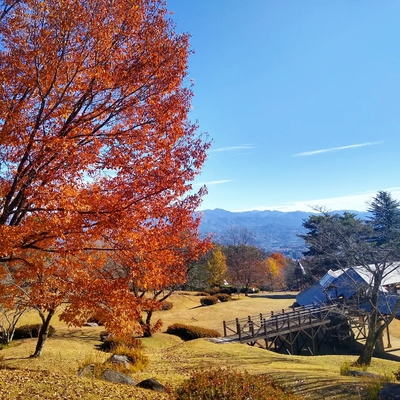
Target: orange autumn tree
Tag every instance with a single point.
(148, 276)
(97, 156)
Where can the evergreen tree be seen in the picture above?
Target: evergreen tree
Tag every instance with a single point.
(385, 218)
(370, 245)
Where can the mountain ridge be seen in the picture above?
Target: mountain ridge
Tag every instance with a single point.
(271, 230)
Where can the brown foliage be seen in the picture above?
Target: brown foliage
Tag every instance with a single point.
(222, 383)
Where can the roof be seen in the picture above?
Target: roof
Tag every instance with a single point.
(329, 277)
(347, 282)
(312, 295)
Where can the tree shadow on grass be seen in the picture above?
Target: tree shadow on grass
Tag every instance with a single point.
(388, 355)
(319, 388)
(199, 306)
(274, 296)
(78, 333)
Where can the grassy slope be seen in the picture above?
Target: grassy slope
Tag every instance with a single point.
(172, 360)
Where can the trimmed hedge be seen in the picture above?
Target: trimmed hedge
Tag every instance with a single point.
(30, 331)
(222, 384)
(190, 332)
(208, 301)
(223, 297)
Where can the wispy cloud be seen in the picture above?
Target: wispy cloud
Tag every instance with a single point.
(234, 148)
(354, 202)
(210, 183)
(352, 146)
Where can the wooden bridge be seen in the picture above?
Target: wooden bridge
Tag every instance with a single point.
(303, 329)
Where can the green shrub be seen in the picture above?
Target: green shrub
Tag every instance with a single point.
(30, 331)
(223, 297)
(208, 301)
(250, 290)
(166, 305)
(345, 368)
(190, 332)
(222, 384)
(228, 290)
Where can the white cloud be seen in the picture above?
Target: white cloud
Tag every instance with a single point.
(354, 202)
(233, 148)
(352, 146)
(210, 183)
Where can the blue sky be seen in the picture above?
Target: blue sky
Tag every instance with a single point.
(300, 98)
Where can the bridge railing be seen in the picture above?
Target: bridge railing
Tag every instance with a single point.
(275, 321)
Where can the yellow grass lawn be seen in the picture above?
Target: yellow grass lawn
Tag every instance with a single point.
(173, 360)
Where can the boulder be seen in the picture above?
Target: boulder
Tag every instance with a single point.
(390, 392)
(364, 374)
(120, 359)
(92, 324)
(152, 384)
(104, 336)
(117, 377)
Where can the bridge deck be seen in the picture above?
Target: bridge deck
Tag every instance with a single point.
(258, 327)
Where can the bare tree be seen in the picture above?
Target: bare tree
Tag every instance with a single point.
(244, 267)
(346, 241)
(238, 235)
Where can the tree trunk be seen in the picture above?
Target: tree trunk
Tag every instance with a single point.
(146, 325)
(42, 336)
(379, 346)
(366, 354)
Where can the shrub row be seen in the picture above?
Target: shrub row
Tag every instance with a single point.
(221, 384)
(224, 289)
(190, 332)
(30, 331)
(210, 300)
(227, 290)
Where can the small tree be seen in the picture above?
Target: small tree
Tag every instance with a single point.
(9, 317)
(243, 263)
(273, 268)
(216, 267)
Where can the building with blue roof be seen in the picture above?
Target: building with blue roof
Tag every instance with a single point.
(353, 283)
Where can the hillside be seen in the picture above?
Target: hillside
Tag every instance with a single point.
(271, 230)
(172, 360)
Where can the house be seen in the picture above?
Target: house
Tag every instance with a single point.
(352, 284)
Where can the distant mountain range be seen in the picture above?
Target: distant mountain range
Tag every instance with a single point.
(270, 230)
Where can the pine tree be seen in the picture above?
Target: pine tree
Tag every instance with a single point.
(385, 217)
